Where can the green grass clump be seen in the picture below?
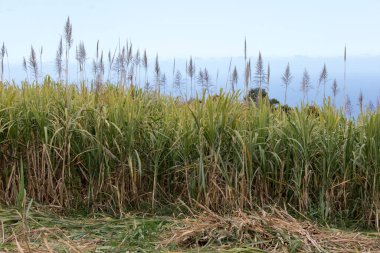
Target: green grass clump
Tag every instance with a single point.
(114, 150)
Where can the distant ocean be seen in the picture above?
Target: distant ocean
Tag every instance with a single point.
(363, 73)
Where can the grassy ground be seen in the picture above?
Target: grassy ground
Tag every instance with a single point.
(99, 233)
(273, 231)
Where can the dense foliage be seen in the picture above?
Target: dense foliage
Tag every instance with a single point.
(112, 149)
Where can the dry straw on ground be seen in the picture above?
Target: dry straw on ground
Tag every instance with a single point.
(272, 231)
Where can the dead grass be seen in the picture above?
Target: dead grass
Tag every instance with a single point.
(271, 231)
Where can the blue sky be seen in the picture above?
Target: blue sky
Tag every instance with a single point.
(212, 28)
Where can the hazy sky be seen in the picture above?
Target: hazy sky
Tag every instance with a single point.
(203, 28)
